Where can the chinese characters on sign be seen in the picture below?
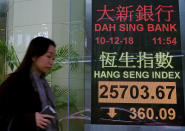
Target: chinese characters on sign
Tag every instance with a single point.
(143, 60)
(136, 63)
(141, 12)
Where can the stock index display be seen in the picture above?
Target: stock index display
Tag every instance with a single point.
(136, 63)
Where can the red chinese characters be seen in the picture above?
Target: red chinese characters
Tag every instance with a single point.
(138, 13)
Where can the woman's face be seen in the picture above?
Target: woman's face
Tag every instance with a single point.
(44, 63)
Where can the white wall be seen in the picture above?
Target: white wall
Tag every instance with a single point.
(27, 19)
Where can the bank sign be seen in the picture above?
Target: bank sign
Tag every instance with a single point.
(136, 63)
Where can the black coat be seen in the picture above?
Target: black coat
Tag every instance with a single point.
(19, 101)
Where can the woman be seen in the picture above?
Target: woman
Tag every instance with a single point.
(25, 93)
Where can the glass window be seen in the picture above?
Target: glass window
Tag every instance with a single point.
(3, 18)
(81, 103)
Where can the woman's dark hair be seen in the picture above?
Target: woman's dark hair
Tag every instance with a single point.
(37, 47)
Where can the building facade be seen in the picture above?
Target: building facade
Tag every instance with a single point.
(77, 27)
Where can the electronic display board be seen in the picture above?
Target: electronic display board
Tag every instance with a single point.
(136, 63)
